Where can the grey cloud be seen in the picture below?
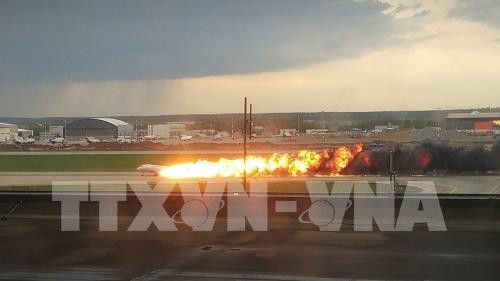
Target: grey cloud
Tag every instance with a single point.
(422, 13)
(60, 40)
(408, 10)
(487, 11)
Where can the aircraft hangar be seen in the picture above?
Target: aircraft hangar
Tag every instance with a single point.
(100, 128)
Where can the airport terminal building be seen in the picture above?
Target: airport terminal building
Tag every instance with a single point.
(100, 128)
(474, 121)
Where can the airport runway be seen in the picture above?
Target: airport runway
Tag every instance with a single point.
(34, 248)
(488, 184)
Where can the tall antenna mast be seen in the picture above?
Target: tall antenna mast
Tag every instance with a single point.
(245, 123)
(250, 124)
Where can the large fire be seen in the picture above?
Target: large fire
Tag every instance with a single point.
(327, 162)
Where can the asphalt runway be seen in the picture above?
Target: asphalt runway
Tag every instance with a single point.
(33, 247)
(488, 184)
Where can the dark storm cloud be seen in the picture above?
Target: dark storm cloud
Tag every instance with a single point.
(60, 40)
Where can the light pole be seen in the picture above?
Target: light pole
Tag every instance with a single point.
(250, 124)
(392, 172)
(247, 130)
(245, 144)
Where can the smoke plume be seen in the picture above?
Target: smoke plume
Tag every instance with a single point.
(428, 156)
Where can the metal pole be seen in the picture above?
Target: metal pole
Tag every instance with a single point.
(232, 128)
(391, 163)
(250, 124)
(298, 123)
(245, 145)
(392, 174)
(439, 124)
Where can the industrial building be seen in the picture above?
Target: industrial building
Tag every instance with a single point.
(25, 134)
(99, 128)
(8, 132)
(474, 121)
(316, 131)
(53, 132)
(56, 131)
(166, 131)
(288, 132)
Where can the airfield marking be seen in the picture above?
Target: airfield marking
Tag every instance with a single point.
(496, 189)
(162, 273)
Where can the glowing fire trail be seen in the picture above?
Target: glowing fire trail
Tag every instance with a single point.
(328, 162)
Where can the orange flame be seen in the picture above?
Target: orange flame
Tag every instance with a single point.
(329, 162)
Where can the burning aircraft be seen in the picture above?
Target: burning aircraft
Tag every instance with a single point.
(327, 162)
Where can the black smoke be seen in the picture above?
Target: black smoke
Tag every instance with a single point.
(427, 157)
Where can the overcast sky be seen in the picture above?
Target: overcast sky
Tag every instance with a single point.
(126, 57)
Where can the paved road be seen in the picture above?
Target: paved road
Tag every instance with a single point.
(444, 184)
(33, 248)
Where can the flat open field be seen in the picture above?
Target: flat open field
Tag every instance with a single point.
(94, 162)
